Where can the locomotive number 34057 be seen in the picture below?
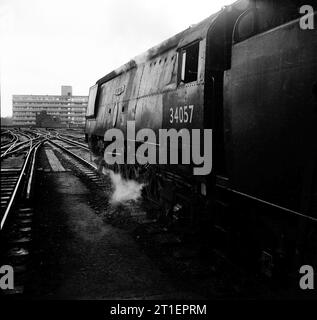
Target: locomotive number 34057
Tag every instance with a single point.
(182, 114)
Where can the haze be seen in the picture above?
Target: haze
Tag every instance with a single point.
(49, 43)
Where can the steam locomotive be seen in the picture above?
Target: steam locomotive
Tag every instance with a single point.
(248, 73)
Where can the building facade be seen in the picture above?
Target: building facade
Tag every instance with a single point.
(71, 110)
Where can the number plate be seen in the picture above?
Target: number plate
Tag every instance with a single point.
(182, 114)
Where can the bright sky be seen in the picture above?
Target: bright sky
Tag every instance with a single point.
(49, 43)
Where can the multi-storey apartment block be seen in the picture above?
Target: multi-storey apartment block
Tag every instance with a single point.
(71, 110)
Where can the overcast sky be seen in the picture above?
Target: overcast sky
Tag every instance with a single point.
(48, 43)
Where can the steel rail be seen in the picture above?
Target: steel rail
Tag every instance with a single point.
(11, 144)
(76, 143)
(80, 159)
(29, 185)
(18, 146)
(18, 185)
(13, 139)
(76, 138)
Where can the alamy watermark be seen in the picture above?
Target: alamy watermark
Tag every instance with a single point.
(307, 22)
(167, 145)
(6, 277)
(307, 280)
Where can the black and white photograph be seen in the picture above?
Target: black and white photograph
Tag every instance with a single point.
(158, 151)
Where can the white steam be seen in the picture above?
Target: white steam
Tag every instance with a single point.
(124, 190)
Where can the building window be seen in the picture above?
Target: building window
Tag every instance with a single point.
(189, 63)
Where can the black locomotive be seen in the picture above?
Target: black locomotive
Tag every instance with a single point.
(248, 73)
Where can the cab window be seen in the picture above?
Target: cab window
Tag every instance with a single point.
(189, 63)
(91, 101)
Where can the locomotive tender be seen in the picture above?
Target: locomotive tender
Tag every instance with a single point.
(248, 73)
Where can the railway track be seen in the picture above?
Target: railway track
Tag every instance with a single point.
(83, 165)
(17, 172)
(73, 142)
(9, 144)
(76, 138)
(18, 160)
(19, 142)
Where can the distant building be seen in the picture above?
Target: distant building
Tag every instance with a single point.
(71, 110)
